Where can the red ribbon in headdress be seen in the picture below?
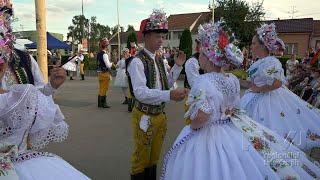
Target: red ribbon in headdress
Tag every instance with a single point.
(142, 27)
(315, 57)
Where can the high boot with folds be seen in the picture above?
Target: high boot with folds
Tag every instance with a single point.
(140, 176)
(99, 101)
(104, 103)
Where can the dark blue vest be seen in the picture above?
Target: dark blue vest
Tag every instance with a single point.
(101, 66)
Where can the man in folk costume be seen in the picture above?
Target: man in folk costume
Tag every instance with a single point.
(150, 83)
(192, 69)
(103, 67)
(22, 68)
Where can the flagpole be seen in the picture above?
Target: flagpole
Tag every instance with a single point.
(119, 43)
(212, 10)
(40, 6)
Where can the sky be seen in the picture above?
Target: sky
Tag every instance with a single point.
(60, 12)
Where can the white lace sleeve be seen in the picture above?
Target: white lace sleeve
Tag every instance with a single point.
(199, 99)
(272, 70)
(49, 123)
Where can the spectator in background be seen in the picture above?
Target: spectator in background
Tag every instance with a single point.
(291, 66)
(311, 52)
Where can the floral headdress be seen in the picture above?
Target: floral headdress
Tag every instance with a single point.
(268, 35)
(157, 22)
(217, 43)
(104, 42)
(6, 36)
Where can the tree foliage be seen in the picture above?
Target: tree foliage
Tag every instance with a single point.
(186, 42)
(130, 28)
(241, 17)
(132, 37)
(79, 28)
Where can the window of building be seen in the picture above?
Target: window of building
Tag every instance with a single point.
(291, 48)
(168, 36)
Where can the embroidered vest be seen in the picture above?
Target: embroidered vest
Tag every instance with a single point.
(101, 66)
(150, 71)
(21, 66)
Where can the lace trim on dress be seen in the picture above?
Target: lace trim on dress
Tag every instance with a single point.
(30, 155)
(56, 133)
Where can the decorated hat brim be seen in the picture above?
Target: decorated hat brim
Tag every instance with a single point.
(156, 31)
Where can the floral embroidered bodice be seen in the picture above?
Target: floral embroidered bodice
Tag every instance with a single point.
(214, 93)
(26, 112)
(265, 70)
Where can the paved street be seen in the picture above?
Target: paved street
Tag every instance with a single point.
(100, 140)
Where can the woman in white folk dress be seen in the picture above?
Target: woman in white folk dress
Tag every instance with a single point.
(268, 100)
(121, 79)
(222, 142)
(71, 65)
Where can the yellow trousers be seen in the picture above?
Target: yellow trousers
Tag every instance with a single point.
(104, 81)
(147, 145)
(81, 69)
(186, 108)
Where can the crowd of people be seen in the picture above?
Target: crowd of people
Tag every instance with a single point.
(262, 135)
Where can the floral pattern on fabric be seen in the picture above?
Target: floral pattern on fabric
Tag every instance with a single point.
(9, 78)
(312, 136)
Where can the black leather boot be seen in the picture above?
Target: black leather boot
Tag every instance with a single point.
(140, 176)
(104, 103)
(125, 101)
(130, 104)
(99, 101)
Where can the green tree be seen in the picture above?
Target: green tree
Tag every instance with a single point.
(132, 37)
(97, 32)
(130, 28)
(241, 17)
(79, 28)
(186, 43)
(114, 30)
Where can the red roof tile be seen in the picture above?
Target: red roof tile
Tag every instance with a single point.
(183, 21)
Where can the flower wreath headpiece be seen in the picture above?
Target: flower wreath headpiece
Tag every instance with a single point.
(268, 35)
(218, 43)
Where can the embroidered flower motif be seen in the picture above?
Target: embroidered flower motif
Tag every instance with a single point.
(298, 111)
(290, 178)
(253, 124)
(269, 137)
(259, 144)
(312, 136)
(247, 129)
(5, 165)
(200, 95)
(272, 71)
(276, 165)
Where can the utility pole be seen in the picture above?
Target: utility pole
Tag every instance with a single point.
(42, 57)
(293, 11)
(119, 43)
(82, 26)
(212, 10)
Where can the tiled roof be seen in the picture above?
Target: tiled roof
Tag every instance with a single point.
(294, 25)
(184, 21)
(124, 37)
